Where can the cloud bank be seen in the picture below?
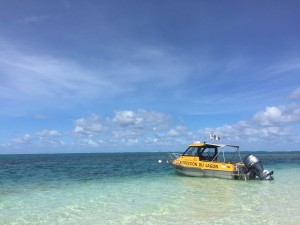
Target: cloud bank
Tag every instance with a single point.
(142, 128)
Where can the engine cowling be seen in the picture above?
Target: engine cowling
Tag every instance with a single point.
(254, 165)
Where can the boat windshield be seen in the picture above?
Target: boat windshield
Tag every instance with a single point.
(191, 151)
(208, 153)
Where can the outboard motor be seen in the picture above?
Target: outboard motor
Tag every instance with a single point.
(255, 167)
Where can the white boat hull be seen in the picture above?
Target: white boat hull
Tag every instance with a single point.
(197, 172)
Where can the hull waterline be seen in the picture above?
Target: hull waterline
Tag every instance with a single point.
(196, 172)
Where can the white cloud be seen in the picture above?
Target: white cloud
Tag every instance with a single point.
(238, 133)
(88, 126)
(282, 115)
(130, 128)
(178, 131)
(128, 118)
(142, 119)
(146, 128)
(48, 133)
(173, 132)
(26, 139)
(49, 137)
(271, 116)
(90, 142)
(131, 142)
(139, 127)
(273, 123)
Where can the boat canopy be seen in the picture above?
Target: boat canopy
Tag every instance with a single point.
(214, 145)
(202, 147)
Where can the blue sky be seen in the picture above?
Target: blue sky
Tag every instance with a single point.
(98, 76)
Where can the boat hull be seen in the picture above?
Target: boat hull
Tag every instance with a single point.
(197, 172)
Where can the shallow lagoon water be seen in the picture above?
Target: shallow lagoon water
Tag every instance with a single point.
(133, 188)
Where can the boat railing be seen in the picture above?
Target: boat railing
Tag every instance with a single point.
(173, 156)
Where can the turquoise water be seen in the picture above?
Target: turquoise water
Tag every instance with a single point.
(133, 188)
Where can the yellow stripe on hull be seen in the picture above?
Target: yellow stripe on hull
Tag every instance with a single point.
(194, 162)
(196, 172)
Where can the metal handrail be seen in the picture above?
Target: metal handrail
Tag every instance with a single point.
(173, 156)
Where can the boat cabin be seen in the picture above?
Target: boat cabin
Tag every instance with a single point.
(210, 152)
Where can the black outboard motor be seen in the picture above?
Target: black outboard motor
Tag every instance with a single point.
(255, 167)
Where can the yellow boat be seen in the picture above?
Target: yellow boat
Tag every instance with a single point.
(208, 160)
